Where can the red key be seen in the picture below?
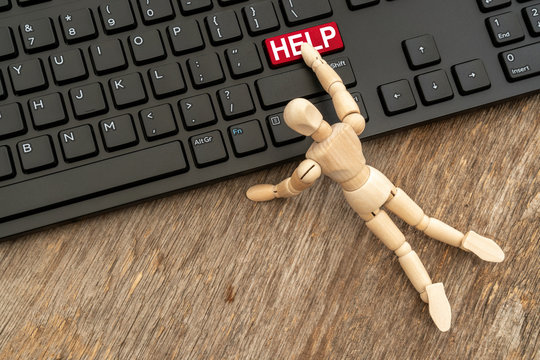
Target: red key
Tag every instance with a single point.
(284, 49)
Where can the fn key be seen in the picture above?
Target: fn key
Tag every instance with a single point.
(247, 138)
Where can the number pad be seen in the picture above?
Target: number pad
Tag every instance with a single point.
(116, 16)
(532, 19)
(504, 29)
(38, 35)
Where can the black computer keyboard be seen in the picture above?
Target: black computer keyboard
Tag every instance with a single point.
(108, 102)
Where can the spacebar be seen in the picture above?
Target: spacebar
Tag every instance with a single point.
(91, 180)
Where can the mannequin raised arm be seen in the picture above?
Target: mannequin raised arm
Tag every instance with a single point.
(346, 108)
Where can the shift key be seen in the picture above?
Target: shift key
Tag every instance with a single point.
(522, 62)
(279, 89)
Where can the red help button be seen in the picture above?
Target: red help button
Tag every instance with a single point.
(285, 48)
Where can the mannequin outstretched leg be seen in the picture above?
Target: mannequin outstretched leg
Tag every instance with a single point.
(385, 229)
(404, 207)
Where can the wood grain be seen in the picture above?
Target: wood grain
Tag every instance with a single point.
(207, 274)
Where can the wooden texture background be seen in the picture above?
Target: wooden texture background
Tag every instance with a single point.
(206, 274)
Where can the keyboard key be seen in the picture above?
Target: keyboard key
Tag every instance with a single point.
(504, 29)
(396, 97)
(27, 76)
(5, 5)
(37, 154)
(489, 5)
(522, 62)
(30, 2)
(7, 44)
(243, 60)
(78, 143)
(236, 101)
(6, 164)
(301, 11)
(247, 138)
(421, 51)
(128, 90)
(47, 111)
(147, 47)
(434, 87)
(88, 101)
(158, 122)
(229, 2)
(3, 91)
(117, 172)
(153, 11)
(205, 70)
(38, 35)
(78, 25)
(326, 107)
(359, 4)
(471, 76)
(116, 16)
(276, 90)
(260, 17)
(68, 67)
(208, 148)
(532, 19)
(108, 57)
(197, 111)
(188, 7)
(280, 133)
(11, 120)
(118, 133)
(286, 48)
(167, 80)
(223, 27)
(185, 37)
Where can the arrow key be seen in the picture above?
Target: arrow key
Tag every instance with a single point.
(421, 51)
(471, 76)
(434, 87)
(396, 97)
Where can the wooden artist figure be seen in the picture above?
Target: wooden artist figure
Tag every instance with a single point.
(337, 153)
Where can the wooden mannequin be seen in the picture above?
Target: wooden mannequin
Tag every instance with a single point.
(337, 153)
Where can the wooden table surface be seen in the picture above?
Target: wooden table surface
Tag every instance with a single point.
(207, 274)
